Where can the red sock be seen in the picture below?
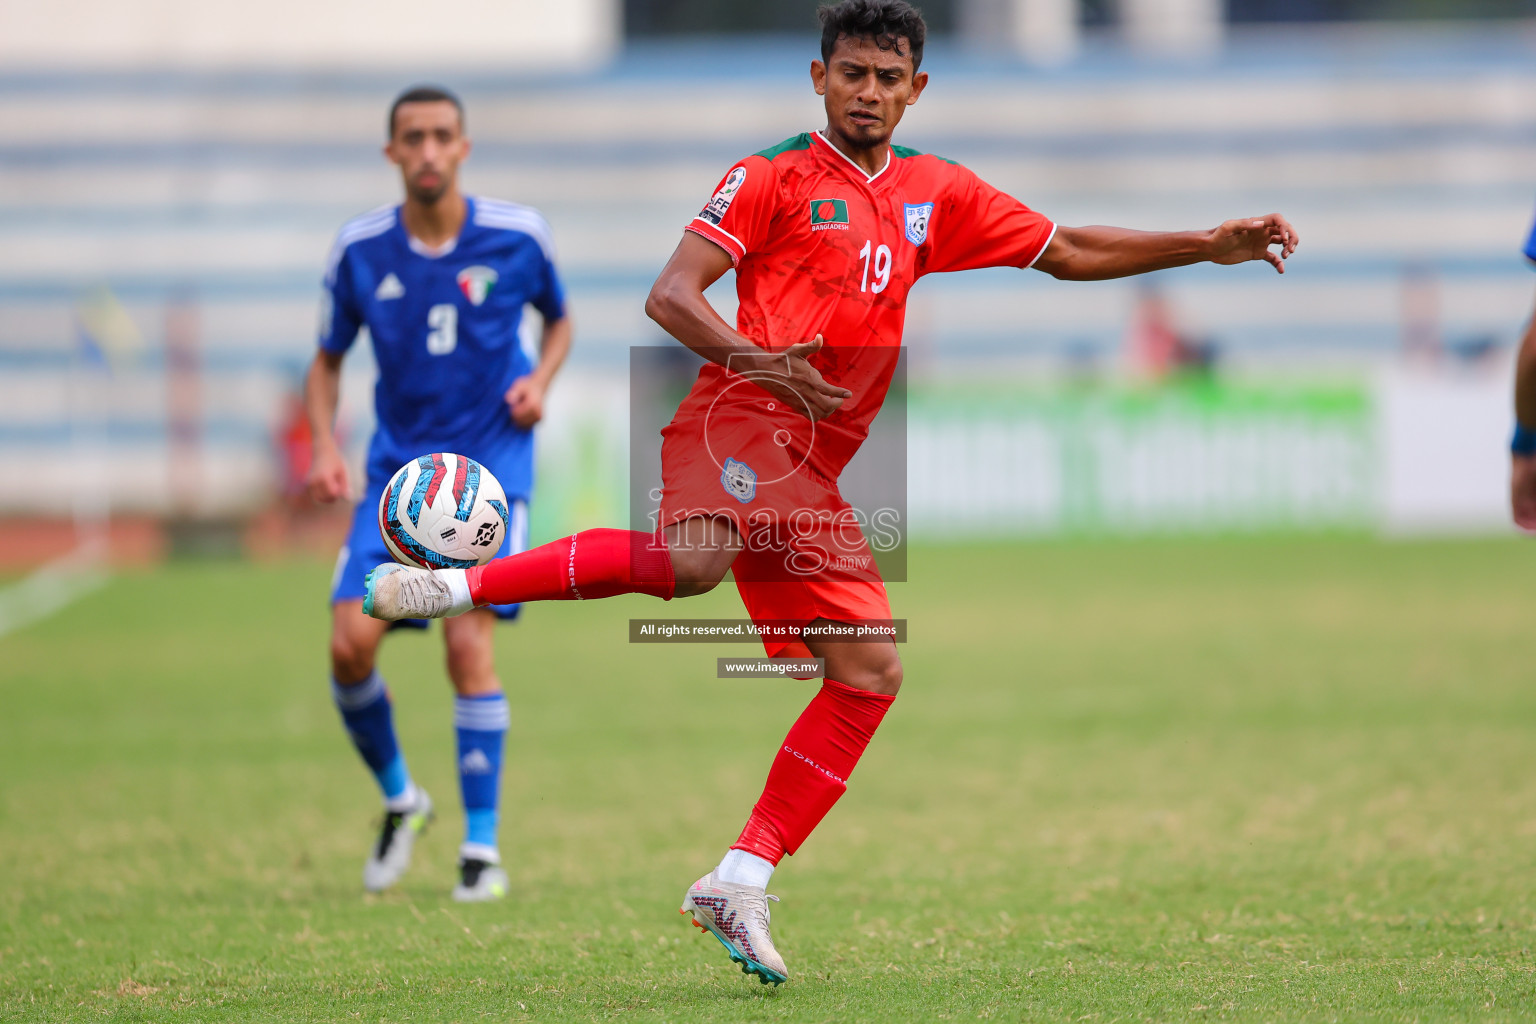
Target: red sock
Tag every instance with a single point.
(811, 769)
(592, 563)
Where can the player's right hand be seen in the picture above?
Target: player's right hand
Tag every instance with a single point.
(1522, 490)
(808, 392)
(327, 480)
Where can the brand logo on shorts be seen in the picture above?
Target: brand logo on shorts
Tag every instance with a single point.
(917, 221)
(739, 480)
(721, 201)
(476, 283)
(829, 215)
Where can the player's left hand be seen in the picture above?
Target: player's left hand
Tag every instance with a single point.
(1522, 490)
(1250, 238)
(525, 400)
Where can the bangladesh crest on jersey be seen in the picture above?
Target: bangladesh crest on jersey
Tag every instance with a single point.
(917, 221)
(476, 283)
(739, 480)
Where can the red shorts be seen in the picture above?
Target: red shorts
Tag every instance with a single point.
(806, 557)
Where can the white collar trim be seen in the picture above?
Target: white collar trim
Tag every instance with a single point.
(421, 248)
(868, 178)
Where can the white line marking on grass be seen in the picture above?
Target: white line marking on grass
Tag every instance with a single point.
(52, 588)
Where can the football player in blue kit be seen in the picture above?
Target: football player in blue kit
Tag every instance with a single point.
(440, 282)
(1522, 448)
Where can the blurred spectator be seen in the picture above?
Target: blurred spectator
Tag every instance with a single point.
(293, 522)
(1422, 341)
(1157, 347)
(293, 439)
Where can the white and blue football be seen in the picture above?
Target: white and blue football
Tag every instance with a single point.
(443, 511)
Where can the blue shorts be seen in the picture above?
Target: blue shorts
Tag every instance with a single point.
(365, 549)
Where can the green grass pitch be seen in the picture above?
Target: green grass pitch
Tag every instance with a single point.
(1277, 779)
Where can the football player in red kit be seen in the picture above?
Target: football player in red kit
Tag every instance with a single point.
(827, 232)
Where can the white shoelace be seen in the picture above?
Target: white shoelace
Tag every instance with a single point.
(759, 904)
(425, 594)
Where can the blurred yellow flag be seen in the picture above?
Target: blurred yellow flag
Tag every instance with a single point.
(107, 331)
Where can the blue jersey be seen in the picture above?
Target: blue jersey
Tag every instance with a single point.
(445, 331)
(1530, 245)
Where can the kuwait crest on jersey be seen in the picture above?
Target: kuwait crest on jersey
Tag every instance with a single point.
(917, 221)
(476, 283)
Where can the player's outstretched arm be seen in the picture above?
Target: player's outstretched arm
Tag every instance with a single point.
(678, 305)
(327, 478)
(1101, 253)
(1522, 473)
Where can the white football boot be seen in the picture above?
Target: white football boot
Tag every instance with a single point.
(737, 915)
(391, 855)
(393, 591)
(480, 879)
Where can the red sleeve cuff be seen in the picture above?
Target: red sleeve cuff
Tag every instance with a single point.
(724, 239)
(1043, 246)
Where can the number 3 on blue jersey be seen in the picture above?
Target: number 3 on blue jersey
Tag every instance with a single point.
(443, 328)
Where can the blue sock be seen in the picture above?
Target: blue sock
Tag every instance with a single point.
(365, 711)
(481, 724)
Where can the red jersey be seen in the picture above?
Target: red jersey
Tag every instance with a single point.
(820, 247)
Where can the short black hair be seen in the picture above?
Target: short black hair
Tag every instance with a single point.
(886, 22)
(424, 94)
